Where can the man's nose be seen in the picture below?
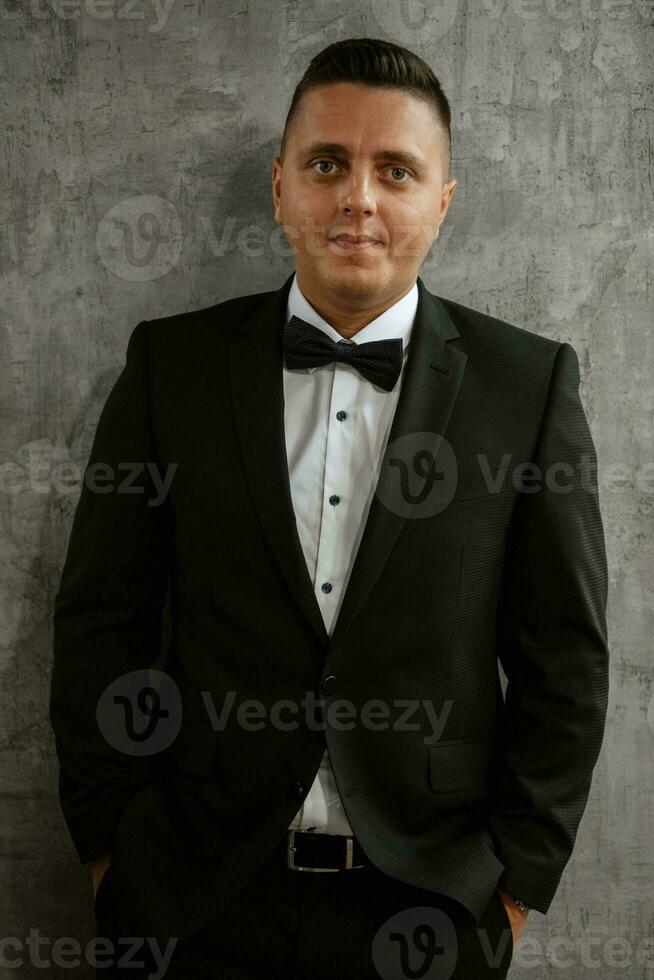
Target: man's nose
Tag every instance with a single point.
(359, 196)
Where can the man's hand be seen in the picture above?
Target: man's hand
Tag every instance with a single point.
(516, 916)
(98, 870)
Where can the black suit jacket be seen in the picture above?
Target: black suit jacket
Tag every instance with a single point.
(435, 597)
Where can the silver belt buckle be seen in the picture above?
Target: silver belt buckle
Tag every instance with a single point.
(290, 856)
(349, 854)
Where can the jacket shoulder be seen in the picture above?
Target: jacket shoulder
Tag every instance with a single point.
(491, 331)
(220, 316)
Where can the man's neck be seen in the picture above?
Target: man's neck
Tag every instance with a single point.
(349, 322)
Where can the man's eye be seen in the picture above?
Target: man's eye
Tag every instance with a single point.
(330, 163)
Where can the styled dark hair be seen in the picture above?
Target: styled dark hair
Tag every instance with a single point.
(377, 63)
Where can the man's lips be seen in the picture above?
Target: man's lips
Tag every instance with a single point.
(355, 242)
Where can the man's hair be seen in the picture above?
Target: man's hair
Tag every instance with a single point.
(377, 63)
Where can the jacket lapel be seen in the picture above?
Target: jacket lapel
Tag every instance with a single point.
(429, 389)
(256, 371)
(430, 385)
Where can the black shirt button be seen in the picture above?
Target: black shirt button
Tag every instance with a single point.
(334, 499)
(326, 587)
(328, 685)
(341, 415)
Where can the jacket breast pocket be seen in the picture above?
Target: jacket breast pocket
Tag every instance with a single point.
(194, 751)
(459, 765)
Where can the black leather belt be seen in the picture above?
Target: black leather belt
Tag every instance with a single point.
(307, 851)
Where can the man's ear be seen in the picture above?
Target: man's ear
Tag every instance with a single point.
(276, 174)
(446, 197)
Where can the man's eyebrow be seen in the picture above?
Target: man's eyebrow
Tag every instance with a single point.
(339, 149)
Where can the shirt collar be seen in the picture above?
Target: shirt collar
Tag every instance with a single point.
(396, 321)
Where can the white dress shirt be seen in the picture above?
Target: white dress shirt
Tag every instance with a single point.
(337, 425)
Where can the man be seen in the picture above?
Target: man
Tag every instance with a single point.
(377, 493)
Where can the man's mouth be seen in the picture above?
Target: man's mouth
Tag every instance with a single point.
(355, 243)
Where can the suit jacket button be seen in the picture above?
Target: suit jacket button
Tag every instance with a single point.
(328, 685)
(299, 790)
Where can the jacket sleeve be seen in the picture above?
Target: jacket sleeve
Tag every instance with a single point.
(552, 644)
(107, 611)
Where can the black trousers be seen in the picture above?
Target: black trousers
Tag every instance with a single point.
(299, 925)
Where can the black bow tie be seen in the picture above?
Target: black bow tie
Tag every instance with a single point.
(379, 361)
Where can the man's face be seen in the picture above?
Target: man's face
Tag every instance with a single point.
(386, 181)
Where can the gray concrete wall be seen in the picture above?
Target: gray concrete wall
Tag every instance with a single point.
(137, 146)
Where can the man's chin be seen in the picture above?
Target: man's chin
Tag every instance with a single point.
(356, 281)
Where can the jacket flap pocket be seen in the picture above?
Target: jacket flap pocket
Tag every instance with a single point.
(459, 764)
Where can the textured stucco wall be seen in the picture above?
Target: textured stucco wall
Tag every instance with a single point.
(137, 147)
